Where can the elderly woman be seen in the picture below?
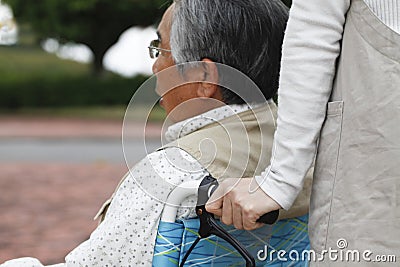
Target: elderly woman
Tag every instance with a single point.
(243, 34)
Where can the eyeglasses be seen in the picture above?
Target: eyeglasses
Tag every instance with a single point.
(155, 50)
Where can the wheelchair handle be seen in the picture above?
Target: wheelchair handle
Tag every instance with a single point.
(208, 225)
(269, 218)
(210, 184)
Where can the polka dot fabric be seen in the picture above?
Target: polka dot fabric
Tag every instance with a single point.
(190, 125)
(127, 235)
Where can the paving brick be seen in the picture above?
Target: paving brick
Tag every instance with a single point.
(35, 127)
(46, 209)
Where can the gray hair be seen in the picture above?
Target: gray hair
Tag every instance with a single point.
(244, 34)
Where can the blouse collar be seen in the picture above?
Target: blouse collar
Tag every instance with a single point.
(190, 125)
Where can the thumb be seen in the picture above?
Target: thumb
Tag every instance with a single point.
(215, 203)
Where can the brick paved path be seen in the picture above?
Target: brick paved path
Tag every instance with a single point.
(70, 128)
(47, 209)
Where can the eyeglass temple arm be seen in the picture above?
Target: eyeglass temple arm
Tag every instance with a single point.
(158, 48)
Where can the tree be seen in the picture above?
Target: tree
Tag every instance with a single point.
(96, 23)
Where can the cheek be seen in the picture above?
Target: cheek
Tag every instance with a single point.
(176, 97)
(162, 62)
(169, 101)
(167, 75)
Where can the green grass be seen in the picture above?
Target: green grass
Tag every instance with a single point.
(31, 79)
(30, 61)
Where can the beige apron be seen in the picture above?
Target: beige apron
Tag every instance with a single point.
(238, 146)
(356, 188)
(236, 149)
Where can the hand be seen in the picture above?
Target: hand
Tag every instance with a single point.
(236, 201)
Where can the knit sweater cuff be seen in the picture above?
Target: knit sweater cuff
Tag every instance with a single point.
(282, 193)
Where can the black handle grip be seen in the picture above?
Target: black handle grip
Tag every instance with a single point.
(269, 218)
(210, 184)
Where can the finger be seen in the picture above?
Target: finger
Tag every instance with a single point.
(215, 202)
(226, 217)
(249, 219)
(258, 225)
(237, 217)
(247, 225)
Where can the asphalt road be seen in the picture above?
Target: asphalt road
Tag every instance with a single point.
(73, 150)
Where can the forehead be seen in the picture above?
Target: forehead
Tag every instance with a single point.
(166, 21)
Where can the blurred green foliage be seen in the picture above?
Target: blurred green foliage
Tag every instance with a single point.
(31, 77)
(96, 23)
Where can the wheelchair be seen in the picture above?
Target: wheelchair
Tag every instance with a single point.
(280, 244)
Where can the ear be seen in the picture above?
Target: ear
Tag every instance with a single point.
(209, 87)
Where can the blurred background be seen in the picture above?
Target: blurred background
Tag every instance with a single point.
(68, 69)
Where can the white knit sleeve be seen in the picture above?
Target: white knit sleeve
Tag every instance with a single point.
(310, 49)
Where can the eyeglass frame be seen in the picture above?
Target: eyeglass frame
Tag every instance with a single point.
(155, 50)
